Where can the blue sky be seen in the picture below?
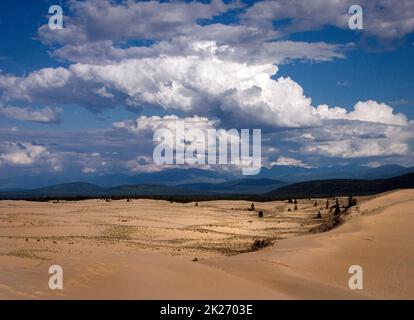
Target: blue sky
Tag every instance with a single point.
(364, 74)
(321, 92)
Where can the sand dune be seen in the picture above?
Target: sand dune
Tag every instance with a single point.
(381, 241)
(145, 250)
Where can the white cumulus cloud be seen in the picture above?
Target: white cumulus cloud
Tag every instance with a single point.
(43, 115)
(24, 153)
(370, 111)
(290, 162)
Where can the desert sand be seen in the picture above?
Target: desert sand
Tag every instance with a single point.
(148, 249)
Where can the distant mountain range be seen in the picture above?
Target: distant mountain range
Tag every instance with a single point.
(168, 177)
(350, 171)
(84, 189)
(241, 186)
(262, 189)
(342, 187)
(201, 179)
